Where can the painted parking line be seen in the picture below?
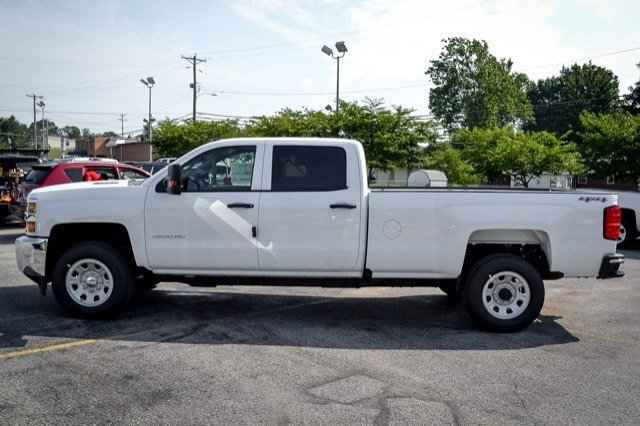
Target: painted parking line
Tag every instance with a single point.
(48, 348)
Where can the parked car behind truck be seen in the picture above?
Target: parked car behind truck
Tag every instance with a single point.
(69, 171)
(300, 212)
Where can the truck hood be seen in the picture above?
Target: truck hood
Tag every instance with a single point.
(87, 191)
(118, 202)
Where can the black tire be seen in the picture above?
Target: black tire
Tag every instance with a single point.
(120, 285)
(500, 272)
(628, 235)
(451, 290)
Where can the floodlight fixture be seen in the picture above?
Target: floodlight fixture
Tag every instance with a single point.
(152, 81)
(143, 81)
(327, 50)
(341, 47)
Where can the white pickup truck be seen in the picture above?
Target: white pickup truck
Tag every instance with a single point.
(300, 212)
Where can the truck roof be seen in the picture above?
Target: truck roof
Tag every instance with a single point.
(290, 139)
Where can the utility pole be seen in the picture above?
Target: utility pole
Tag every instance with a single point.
(35, 126)
(194, 61)
(122, 120)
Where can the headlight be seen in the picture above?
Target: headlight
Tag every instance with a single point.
(31, 226)
(30, 216)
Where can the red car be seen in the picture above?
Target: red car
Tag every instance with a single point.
(69, 171)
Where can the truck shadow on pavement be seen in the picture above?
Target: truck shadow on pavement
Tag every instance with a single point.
(7, 239)
(423, 322)
(630, 253)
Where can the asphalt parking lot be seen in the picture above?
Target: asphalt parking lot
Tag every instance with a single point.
(318, 356)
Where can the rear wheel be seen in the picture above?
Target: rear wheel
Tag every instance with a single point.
(504, 293)
(627, 233)
(92, 280)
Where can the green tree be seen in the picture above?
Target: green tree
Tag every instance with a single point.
(501, 153)
(86, 133)
(473, 88)
(611, 144)
(559, 100)
(176, 139)
(73, 132)
(391, 137)
(292, 123)
(11, 128)
(110, 134)
(52, 129)
(447, 159)
(632, 100)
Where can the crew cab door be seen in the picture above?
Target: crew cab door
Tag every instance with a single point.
(210, 225)
(310, 209)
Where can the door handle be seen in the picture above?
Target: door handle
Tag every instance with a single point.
(343, 206)
(240, 206)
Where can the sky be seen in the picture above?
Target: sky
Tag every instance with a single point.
(87, 57)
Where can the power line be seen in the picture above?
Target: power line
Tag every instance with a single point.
(379, 89)
(117, 79)
(582, 59)
(270, 46)
(43, 61)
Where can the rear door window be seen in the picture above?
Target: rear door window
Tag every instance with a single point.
(74, 174)
(106, 173)
(308, 168)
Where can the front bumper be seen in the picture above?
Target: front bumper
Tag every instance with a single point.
(609, 268)
(31, 255)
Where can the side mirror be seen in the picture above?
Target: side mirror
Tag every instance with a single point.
(174, 179)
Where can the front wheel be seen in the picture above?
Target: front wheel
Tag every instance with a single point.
(92, 280)
(504, 293)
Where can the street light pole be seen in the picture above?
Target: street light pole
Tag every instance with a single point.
(341, 48)
(150, 122)
(41, 104)
(338, 85)
(149, 82)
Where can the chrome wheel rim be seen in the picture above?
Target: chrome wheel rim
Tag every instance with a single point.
(506, 295)
(89, 282)
(623, 234)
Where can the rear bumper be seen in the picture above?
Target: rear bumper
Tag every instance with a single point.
(609, 268)
(31, 255)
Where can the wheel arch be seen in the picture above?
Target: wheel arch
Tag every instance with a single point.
(532, 245)
(63, 236)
